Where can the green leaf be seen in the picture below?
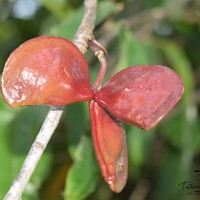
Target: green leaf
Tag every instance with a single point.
(9, 163)
(60, 9)
(25, 127)
(104, 9)
(68, 28)
(138, 142)
(188, 124)
(168, 177)
(132, 52)
(182, 65)
(6, 31)
(172, 131)
(83, 175)
(76, 117)
(18, 128)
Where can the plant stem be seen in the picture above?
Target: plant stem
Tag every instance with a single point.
(103, 62)
(86, 27)
(84, 31)
(101, 53)
(35, 153)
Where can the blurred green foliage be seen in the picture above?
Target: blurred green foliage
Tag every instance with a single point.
(134, 32)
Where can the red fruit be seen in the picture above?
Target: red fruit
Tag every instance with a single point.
(52, 70)
(46, 70)
(110, 147)
(141, 95)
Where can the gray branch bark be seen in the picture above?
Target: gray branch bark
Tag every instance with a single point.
(84, 31)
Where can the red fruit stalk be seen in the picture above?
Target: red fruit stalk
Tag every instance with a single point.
(101, 53)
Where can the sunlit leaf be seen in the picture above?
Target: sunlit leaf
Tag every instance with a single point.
(60, 9)
(68, 28)
(139, 142)
(132, 52)
(180, 63)
(83, 175)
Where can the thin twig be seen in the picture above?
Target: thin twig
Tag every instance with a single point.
(35, 153)
(85, 30)
(51, 122)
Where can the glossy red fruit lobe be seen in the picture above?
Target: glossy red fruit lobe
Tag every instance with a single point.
(46, 70)
(110, 147)
(141, 95)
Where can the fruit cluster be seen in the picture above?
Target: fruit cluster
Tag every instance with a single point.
(52, 71)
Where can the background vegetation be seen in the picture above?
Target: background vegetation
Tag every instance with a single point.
(135, 32)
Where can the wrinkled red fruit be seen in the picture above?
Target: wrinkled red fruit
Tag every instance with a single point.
(46, 70)
(141, 95)
(110, 147)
